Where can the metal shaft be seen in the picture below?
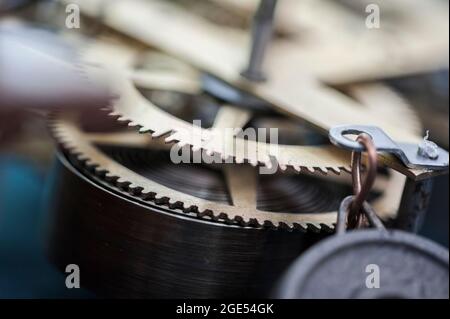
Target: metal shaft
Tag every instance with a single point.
(414, 204)
(261, 34)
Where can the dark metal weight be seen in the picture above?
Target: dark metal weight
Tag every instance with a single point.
(344, 266)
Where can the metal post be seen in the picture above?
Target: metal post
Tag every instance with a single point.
(261, 35)
(414, 204)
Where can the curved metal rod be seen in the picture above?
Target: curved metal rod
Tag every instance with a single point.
(368, 211)
(362, 189)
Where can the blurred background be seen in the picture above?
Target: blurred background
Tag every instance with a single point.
(27, 150)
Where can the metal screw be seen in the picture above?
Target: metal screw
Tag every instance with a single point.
(428, 148)
(261, 35)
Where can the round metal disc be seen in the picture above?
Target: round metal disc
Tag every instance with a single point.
(128, 247)
(369, 264)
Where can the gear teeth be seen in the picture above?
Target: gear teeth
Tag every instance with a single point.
(111, 178)
(298, 169)
(223, 216)
(284, 226)
(101, 172)
(314, 227)
(136, 190)
(175, 137)
(207, 212)
(133, 187)
(91, 165)
(64, 137)
(113, 113)
(253, 222)
(239, 219)
(160, 134)
(122, 180)
(299, 227)
(144, 130)
(176, 205)
(347, 169)
(336, 170)
(164, 200)
(312, 170)
(148, 196)
(193, 209)
(304, 226)
(122, 119)
(170, 139)
(82, 158)
(326, 228)
(269, 225)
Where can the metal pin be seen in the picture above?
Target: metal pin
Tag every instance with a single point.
(428, 148)
(261, 35)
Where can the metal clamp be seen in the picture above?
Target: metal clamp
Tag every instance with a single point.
(412, 155)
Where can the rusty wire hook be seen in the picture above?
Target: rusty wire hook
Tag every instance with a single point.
(361, 189)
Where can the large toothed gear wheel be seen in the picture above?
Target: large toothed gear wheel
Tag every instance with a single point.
(241, 181)
(164, 74)
(124, 236)
(131, 106)
(243, 206)
(161, 72)
(136, 214)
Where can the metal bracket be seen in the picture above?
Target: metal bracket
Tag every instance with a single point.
(408, 153)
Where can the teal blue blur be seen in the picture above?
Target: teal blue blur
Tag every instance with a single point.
(25, 271)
